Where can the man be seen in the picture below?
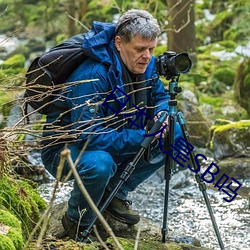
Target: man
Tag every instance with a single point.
(101, 114)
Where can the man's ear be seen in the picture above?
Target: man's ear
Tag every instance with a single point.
(118, 42)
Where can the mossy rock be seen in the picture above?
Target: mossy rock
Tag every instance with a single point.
(11, 237)
(242, 85)
(231, 139)
(150, 235)
(224, 75)
(219, 107)
(21, 199)
(128, 244)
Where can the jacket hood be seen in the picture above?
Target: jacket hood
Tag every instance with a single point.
(98, 43)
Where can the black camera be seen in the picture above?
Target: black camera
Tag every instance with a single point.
(171, 65)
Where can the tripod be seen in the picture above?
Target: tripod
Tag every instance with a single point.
(169, 163)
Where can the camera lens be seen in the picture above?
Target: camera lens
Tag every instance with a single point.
(170, 65)
(182, 63)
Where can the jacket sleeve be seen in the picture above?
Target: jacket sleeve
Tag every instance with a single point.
(89, 120)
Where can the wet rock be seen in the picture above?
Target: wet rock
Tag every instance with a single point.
(150, 234)
(237, 167)
(232, 139)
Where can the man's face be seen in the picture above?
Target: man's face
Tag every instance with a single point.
(137, 53)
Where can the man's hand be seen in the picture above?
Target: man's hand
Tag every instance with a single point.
(165, 123)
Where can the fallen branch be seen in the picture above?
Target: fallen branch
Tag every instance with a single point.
(65, 154)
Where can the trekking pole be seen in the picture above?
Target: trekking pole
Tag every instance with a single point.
(129, 169)
(169, 163)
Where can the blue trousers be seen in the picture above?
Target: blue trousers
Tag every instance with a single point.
(99, 171)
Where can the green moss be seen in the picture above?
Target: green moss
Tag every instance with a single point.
(16, 61)
(228, 45)
(6, 243)
(9, 219)
(236, 125)
(225, 75)
(13, 71)
(128, 244)
(16, 237)
(21, 199)
(212, 100)
(221, 132)
(13, 239)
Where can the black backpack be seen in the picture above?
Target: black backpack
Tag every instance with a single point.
(47, 74)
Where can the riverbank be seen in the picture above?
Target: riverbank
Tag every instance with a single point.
(188, 215)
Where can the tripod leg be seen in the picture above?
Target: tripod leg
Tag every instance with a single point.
(200, 182)
(169, 165)
(129, 169)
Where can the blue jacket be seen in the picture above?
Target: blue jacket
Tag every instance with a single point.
(88, 118)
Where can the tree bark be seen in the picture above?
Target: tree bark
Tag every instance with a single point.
(181, 27)
(71, 6)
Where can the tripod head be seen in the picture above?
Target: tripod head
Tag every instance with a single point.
(171, 65)
(174, 89)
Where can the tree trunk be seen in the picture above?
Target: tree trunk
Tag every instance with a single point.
(83, 7)
(181, 27)
(71, 6)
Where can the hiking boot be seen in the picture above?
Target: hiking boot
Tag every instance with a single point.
(75, 231)
(121, 211)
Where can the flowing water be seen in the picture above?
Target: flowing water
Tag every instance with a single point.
(187, 212)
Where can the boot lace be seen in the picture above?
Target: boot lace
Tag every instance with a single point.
(127, 203)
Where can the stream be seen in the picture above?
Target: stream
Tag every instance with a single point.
(187, 212)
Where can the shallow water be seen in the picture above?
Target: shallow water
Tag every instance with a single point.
(188, 215)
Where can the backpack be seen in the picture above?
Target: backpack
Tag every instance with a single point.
(47, 73)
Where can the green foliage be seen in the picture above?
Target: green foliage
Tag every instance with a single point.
(242, 84)
(214, 101)
(17, 61)
(219, 102)
(22, 200)
(229, 23)
(224, 75)
(12, 67)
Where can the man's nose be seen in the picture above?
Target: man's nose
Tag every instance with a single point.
(146, 54)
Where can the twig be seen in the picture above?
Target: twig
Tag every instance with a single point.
(99, 238)
(66, 154)
(77, 21)
(137, 236)
(45, 217)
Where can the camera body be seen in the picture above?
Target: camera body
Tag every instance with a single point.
(171, 65)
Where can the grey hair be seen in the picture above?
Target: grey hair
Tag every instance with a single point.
(137, 22)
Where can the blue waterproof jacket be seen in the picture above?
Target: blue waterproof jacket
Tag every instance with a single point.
(87, 118)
